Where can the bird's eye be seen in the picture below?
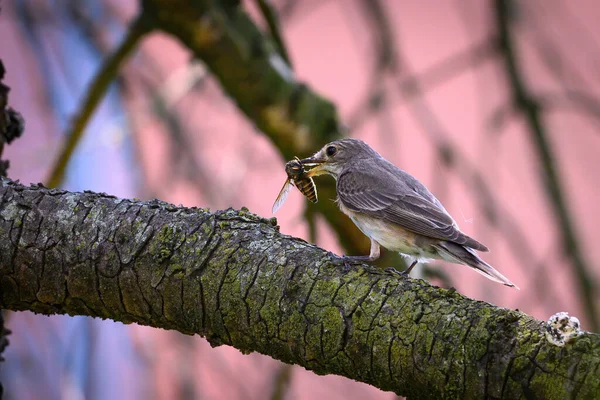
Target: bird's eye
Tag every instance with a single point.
(331, 150)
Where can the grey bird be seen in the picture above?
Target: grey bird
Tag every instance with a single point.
(394, 209)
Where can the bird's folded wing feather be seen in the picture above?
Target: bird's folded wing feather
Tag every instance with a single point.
(400, 204)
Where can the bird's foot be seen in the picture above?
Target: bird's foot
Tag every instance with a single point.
(406, 272)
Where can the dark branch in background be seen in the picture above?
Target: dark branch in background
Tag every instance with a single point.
(386, 63)
(234, 279)
(432, 77)
(529, 106)
(100, 84)
(384, 44)
(270, 16)
(542, 288)
(572, 100)
(567, 74)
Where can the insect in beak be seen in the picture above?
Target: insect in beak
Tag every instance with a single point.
(296, 176)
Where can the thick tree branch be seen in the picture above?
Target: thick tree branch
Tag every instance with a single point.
(231, 277)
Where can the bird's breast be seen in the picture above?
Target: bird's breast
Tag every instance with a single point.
(389, 235)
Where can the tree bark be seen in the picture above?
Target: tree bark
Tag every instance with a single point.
(231, 277)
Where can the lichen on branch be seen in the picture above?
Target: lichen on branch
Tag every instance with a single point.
(231, 277)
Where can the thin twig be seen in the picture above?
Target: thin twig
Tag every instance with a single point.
(109, 70)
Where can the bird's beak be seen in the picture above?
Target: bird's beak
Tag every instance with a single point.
(311, 161)
(315, 164)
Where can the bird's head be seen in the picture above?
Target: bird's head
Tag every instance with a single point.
(336, 156)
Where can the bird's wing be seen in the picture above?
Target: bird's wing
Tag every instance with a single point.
(399, 203)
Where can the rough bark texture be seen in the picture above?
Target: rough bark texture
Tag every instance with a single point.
(254, 75)
(231, 277)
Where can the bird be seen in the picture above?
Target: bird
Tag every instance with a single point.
(394, 210)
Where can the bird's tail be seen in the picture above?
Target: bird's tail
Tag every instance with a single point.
(457, 253)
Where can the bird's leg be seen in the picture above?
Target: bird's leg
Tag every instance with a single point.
(407, 270)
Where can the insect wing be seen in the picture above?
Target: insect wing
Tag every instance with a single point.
(283, 194)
